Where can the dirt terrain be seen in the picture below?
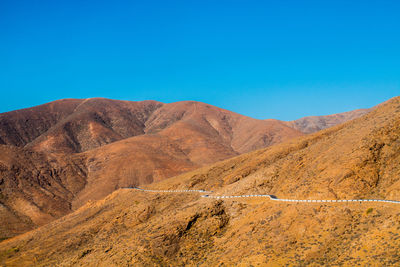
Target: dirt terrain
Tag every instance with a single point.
(355, 160)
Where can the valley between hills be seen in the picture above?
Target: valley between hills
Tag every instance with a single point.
(65, 167)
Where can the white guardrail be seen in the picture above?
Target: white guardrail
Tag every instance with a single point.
(271, 197)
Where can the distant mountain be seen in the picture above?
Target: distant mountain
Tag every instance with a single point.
(73, 125)
(359, 159)
(314, 124)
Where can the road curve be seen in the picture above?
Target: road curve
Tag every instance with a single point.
(271, 197)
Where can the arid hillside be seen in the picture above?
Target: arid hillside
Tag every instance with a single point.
(355, 160)
(36, 188)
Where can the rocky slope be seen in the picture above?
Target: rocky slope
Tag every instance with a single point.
(36, 188)
(358, 159)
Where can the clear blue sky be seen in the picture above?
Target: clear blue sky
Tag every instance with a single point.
(265, 59)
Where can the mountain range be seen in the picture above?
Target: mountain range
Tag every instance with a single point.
(67, 155)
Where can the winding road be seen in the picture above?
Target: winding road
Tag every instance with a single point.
(271, 197)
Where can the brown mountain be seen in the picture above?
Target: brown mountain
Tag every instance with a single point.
(314, 124)
(73, 125)
(57, 156)
(358, 159)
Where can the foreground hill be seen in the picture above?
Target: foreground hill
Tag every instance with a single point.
(359, 159)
